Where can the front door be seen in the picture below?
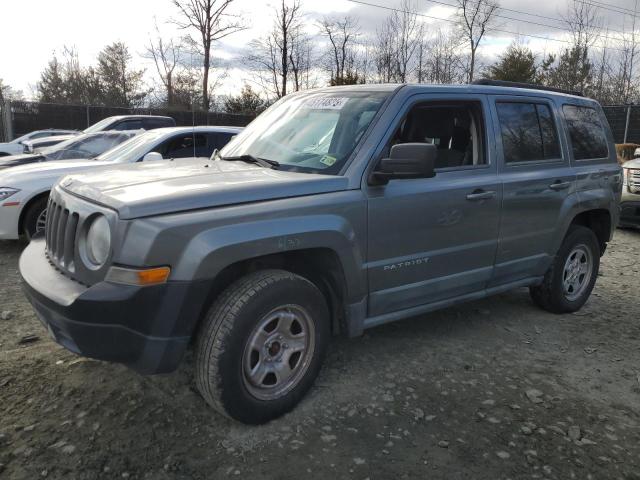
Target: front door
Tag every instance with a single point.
(434, 239)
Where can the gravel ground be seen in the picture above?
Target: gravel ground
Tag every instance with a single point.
(494, 389)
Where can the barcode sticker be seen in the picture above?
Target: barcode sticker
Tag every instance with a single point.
(326, 103)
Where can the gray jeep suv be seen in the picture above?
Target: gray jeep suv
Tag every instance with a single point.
(336, 210)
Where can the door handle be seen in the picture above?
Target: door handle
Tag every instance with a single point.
(478, 195)
(559, 185)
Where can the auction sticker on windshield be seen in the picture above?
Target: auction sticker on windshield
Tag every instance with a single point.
(326, 103)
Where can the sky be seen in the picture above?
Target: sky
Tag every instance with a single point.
(34, 30)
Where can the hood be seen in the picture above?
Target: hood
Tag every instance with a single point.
(11, 177)
(155, 188)
(635, 163)
(16, 160)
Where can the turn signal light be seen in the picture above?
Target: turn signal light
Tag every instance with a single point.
(140, 277)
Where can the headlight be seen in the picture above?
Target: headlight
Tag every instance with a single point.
(625, 177)
(98, 241)
(6, 192)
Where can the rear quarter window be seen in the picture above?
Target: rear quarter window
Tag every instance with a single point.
(588, 138)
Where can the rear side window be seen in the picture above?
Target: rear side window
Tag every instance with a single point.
(528, 132)
(588, 140)
(151, 123)
(128, 125)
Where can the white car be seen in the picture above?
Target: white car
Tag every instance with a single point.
(16, 146)
(24, 190)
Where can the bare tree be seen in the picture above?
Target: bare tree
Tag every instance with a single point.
(300, 59)
(280, 58)
(398, 42)
(475, 18)
(584, 24)
(443, 62)
(342, 57)
(211, 22)
(384, 54)
(408, 38)
(166, 57)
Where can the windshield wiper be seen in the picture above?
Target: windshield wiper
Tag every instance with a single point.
(264, 162)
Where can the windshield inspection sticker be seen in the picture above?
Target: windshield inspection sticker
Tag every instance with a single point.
(328, 160)
(326, 103)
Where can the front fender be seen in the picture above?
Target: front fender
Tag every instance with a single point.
(210, 251)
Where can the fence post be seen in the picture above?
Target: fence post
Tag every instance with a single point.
(626, 123)
(88, 117)
(8, 120)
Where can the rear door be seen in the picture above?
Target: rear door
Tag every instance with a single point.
(537, 177)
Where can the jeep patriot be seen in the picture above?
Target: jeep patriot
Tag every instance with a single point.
(336, 210)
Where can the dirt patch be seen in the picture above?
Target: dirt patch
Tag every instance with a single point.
(493, 389)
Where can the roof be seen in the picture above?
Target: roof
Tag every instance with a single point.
(119, 117)
(465, 88)
(199, 129)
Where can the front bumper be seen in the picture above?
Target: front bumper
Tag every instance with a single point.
(630, 213)
(146, 328)
(10, 219)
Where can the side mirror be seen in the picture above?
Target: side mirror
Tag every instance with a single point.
(636, 153)
(152, 157)
(406, 160)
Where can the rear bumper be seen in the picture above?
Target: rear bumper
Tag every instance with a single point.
(630, 213)
(146, 328)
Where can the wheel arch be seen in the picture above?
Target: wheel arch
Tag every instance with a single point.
(320, 265)
(27, 205)
(597, 220)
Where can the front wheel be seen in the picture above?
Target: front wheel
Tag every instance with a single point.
(569, 281)
(35, 218)
(261, 346)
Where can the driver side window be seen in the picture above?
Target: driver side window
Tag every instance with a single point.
(455, 128)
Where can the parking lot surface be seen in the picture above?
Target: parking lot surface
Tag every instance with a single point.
(494, 389)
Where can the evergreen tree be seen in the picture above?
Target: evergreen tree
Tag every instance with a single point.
(121, 85)
(574, 70)
(51, 87)
(247, 102)
(517, 64)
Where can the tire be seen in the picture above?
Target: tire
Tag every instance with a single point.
(579, 244)
(34, 216)
(239, 336)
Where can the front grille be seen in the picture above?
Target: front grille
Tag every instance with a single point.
(60, 234)
(634, 181)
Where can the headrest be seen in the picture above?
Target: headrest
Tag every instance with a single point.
(434, 122)
(462, 120)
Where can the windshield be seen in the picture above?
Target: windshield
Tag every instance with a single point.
(84, 146)
(22, 138)
(132, 150)
(315, 132)
(98, 127)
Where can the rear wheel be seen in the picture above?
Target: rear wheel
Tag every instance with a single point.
(262, 345)
(35, 218)
(569, 281)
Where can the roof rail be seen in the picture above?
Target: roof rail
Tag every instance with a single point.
(504, 83)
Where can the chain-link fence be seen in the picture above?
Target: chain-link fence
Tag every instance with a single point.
(624, 121)
(22, 117)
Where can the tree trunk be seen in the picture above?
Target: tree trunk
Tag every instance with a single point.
(205, 77)
(472, 63)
